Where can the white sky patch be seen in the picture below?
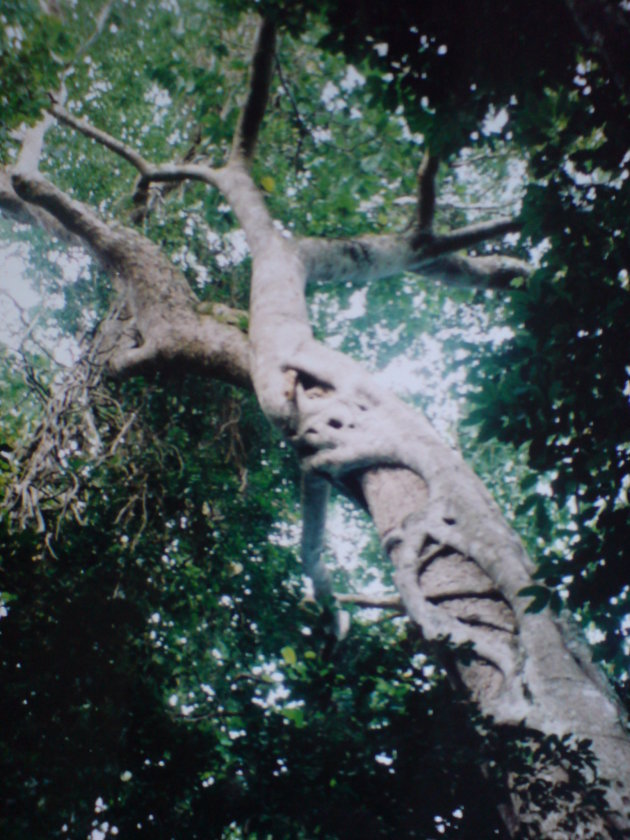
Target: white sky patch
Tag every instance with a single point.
(97, 88)
(15, 35)
(505, 194)
(322, 135)
(356, 304)
(348, 538)
(12, 279)
(538, 251)
(160, 97)
(331, 97)
(353, 79)
(19, 302)
(161, 100)
(367, 205)
(174, 138)
(411, 136)
(495, 121)
(594, 635)
(285, 534)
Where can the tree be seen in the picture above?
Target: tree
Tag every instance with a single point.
(463, 577)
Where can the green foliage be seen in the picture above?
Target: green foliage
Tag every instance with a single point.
(30, 48)
(164, 677)
(447, 67)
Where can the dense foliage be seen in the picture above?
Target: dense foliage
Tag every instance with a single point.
(163, 675)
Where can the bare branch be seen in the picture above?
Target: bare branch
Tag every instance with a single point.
(173, 333)
(167, 172)
(101, 20)
(33, 143)
(494, 271)
(116, 146)
(380, 602)
(465, 237)
(74, 216)
(370, 258)
(26, 213)
(254, 109)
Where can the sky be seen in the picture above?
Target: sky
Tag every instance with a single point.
(15, 288)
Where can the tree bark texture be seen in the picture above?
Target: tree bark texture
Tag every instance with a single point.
(459, 568)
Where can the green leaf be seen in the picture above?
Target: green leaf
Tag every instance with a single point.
(295, 715)
(268, 183)
(289, 656)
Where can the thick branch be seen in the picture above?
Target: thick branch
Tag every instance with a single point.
(174, 334)
(426, 191)
(434, 245)
(254, 109)
(379, 602)
(165, 172)
(74, 216)
(116, 146)
(494, 271)
(26, 213)
(367, 259)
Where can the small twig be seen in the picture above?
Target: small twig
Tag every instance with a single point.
(143, 519)
(121, 434)
(482, 208)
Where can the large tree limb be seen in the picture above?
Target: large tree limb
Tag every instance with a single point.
(444, 243)
(253, 111)
(164, 307)
(367, 259)
(26, 213)
(363, 259)
(459, 568)
(426, 191)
